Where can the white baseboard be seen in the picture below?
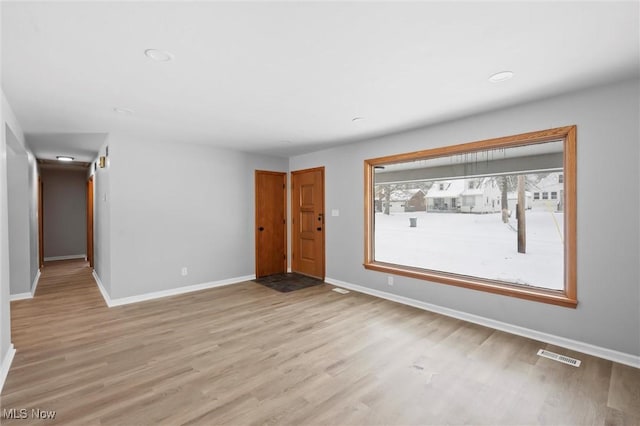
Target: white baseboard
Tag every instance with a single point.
(71, 256)
(587, 348)
(35, 283)
(165, 293)
(20, 296)
(103, 291)
(6, 364)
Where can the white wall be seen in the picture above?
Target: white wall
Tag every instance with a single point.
(102, 223)
(8, 123)
(5, 315)
(608, 314)
(180, 205)
(18, 213)
(65, 211)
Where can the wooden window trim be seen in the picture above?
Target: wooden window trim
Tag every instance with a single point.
(566, 297)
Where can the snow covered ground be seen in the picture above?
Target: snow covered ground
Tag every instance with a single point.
(476, 245)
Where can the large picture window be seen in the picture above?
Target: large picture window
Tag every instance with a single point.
(471, 215)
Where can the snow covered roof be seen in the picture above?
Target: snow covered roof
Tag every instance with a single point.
(451, 188)
(549, 183)
(404, 194)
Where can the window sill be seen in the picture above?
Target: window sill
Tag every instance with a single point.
(529, 293)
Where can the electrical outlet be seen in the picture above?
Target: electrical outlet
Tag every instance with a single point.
(390, 280)
(184, 271)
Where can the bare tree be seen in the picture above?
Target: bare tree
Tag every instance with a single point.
(521, 208)
(383, 193)
(507, 183)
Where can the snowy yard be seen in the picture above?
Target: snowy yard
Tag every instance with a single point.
(475, 245)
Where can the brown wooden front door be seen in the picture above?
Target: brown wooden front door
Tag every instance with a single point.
(307, 195)
(271, 231)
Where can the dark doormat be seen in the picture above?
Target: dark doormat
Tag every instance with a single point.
(285, 283)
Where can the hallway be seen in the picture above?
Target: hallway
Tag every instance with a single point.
(67, 300)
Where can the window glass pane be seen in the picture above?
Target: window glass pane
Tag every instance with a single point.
(463, 214)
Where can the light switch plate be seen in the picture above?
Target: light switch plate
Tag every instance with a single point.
(335, 212)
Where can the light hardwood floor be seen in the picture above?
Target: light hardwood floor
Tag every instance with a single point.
(245, 354)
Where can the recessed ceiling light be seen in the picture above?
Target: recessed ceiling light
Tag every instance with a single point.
(356, 119)
(501, 76)
(64, 158)
(125, 111)
(159, 55)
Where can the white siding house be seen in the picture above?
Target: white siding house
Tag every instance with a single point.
(445, 195)
(481, 196)
(548, 194)
(477, 195)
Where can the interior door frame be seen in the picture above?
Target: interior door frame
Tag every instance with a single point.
(257, 224)
(294, 206)
(40, 223)
(90, 221)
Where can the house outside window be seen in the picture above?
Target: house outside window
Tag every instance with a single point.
(536, 195)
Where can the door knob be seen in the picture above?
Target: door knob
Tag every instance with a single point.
(261, 229)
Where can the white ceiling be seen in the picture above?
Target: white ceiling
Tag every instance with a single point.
(288, 77)
(82, 146)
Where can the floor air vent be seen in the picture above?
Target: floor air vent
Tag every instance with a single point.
(340, 290)
(559, 358)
